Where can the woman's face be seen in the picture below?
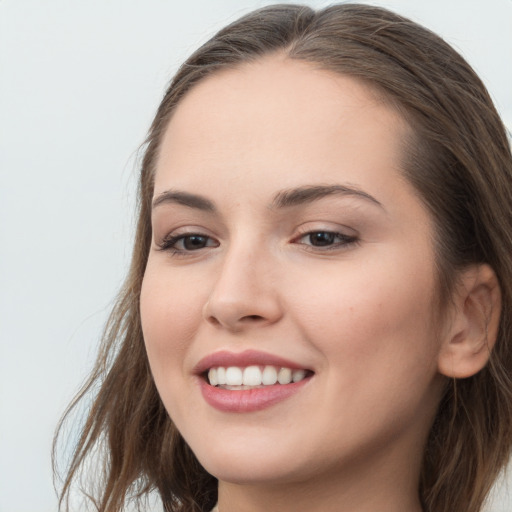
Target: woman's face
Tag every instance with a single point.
(285, 236)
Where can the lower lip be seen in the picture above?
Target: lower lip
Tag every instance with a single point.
(249, 400)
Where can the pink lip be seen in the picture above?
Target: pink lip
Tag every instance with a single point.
(248, 400)
(243, 359)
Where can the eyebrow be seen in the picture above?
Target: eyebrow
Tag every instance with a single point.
(308, 194)
(185, 199)
(283, 199)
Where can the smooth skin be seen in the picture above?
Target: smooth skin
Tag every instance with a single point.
(342, 283)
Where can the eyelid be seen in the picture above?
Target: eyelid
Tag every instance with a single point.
(346, 237)
(168, 242)
(180, 230)
(326, 227)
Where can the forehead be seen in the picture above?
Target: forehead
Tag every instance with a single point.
(282, 117)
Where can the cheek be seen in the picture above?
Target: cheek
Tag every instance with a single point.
(171, 312)
(379, 351)
(374, 323)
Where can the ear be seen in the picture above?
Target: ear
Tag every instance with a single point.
(472, 332)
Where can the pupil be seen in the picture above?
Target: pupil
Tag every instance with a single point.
(322, 238)
(194, 242)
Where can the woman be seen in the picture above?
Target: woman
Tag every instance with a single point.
(317, 315)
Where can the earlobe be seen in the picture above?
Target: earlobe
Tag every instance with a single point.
(472, 332)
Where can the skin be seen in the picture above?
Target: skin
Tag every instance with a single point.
(360, 314)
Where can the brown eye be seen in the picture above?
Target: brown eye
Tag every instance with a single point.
(182, 244)
(322, 238)
(194, 242)
(326, 239)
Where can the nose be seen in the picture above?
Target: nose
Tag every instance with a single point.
(244, 294)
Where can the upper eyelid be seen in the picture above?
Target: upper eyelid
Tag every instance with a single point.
(300, 231)
(316, 227)
(330, 231)
(186, 230)
(181, 236)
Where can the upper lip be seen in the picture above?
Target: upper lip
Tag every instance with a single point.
(225, 358)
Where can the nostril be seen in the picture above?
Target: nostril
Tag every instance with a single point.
(232, 323)
(213, 320)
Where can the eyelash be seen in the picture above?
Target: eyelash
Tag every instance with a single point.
(170, 243)
(344, 241)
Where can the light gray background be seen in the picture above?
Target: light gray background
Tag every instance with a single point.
(79, 82)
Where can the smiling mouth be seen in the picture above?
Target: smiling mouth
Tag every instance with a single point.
(237, 378)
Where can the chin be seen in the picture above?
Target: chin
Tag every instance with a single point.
(246, 472)
(245, 459)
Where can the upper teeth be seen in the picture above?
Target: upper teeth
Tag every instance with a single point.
(253, 376)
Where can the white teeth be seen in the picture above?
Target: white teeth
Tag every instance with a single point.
(221, 376)
(284, 376)
(253, 376)
(298, 375)
(212, 376)
(269, 376)
(234, 376)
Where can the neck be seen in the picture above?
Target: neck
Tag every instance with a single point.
(304, 499)
(385, 486)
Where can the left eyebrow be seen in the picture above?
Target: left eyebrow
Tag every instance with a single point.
(308, 194)
(185, 199)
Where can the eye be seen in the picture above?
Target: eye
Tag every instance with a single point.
(187, 242)
(326, 239)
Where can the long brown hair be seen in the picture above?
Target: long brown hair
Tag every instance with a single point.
(460, 163)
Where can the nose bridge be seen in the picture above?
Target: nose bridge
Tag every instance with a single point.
(244, 292)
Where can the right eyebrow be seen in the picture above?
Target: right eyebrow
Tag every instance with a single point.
(185, 199)
(311, 193)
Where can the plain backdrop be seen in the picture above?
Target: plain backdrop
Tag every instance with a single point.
(79, 82)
